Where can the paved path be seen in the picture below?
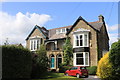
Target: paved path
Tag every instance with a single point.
(92, 78)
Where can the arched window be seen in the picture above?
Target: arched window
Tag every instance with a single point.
(52, 61)
(59, 60)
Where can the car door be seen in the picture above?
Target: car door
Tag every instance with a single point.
(71, 71)
(74, 71)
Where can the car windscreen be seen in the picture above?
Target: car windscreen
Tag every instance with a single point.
(82, 67)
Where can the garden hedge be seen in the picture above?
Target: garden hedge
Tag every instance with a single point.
(63, 68)
(92, 70)
(16, 62)
(114, 58)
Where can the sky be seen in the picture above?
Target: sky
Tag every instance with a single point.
(17, 19)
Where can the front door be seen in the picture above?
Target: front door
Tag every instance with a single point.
(52, 62)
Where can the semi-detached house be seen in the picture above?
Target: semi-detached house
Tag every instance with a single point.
(90, 41)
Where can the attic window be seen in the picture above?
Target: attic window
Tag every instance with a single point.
(63, 30)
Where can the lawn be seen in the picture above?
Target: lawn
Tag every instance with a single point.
(58, 76)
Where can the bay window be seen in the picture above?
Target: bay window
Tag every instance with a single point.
(81, 59)
(81, 40)
(35, 44)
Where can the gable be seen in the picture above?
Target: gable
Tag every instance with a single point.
(80, 23)
(80, 19)
(103, 30)
(36, 32)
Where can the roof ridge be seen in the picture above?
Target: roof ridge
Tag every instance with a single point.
(60, 27)
(94, 22)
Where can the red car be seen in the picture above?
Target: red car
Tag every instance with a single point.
(78, 71)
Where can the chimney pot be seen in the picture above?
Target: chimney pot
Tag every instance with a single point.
(101, 18)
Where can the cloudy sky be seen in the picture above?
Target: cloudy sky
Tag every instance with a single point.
(17, 19)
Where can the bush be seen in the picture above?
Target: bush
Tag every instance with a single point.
(104, 69)
(67, 51)
(63, 68)
(115, 59)
(92, 70)
(40, 63)
(16, 62)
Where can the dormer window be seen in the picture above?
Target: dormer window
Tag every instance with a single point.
(63, 30)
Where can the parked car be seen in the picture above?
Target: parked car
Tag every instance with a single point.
(78, 71)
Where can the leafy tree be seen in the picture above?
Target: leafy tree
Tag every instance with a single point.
(115, 59)
(42, 56)
(40, 63)
(68, 51)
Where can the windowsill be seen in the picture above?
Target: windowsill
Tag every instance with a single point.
(79, 46)
(81, 65)
(32, 50)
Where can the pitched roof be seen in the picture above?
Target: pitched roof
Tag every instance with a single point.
(51, 33)
(58, 36)
(42, 30)
(95, 25)
(61, 27)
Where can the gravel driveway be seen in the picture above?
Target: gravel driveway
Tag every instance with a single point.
(92, 78)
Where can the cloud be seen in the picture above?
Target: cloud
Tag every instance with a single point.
(16, 28)
(113, 37)
(112, 28)
(113, 33)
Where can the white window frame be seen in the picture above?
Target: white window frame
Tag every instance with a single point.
(83, 36)
(59, 31)
(34, 46)
(74, 58)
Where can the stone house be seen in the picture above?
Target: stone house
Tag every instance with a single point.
(89, 40)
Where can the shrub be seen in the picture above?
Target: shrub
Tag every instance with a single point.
(63, 68)
(115, 59)
(68, 51)
(105, 68)
(40, 63)
(16, 62)
(92, 70)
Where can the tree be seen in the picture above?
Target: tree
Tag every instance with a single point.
(40, 63)
(6, 42)
(42, 56)
(115, 59)
(68, 51)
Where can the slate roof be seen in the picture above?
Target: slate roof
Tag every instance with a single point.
(51, 33)
(97, 25)
(41, 29)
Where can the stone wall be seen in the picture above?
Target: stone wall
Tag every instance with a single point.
(92, 41)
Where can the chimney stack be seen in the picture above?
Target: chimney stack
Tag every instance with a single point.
(101, 18)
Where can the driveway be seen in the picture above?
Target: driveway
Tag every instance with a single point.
(91, 77)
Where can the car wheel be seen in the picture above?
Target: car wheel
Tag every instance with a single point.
(78, 76)
(86, 76)
(66, 74)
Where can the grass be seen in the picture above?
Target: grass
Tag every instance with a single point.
(58, 76)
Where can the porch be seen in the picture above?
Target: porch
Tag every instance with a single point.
(55, 58)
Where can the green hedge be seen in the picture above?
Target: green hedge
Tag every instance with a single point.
(92, 70)
(63, 68)
(16, 62)
(40, 63)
